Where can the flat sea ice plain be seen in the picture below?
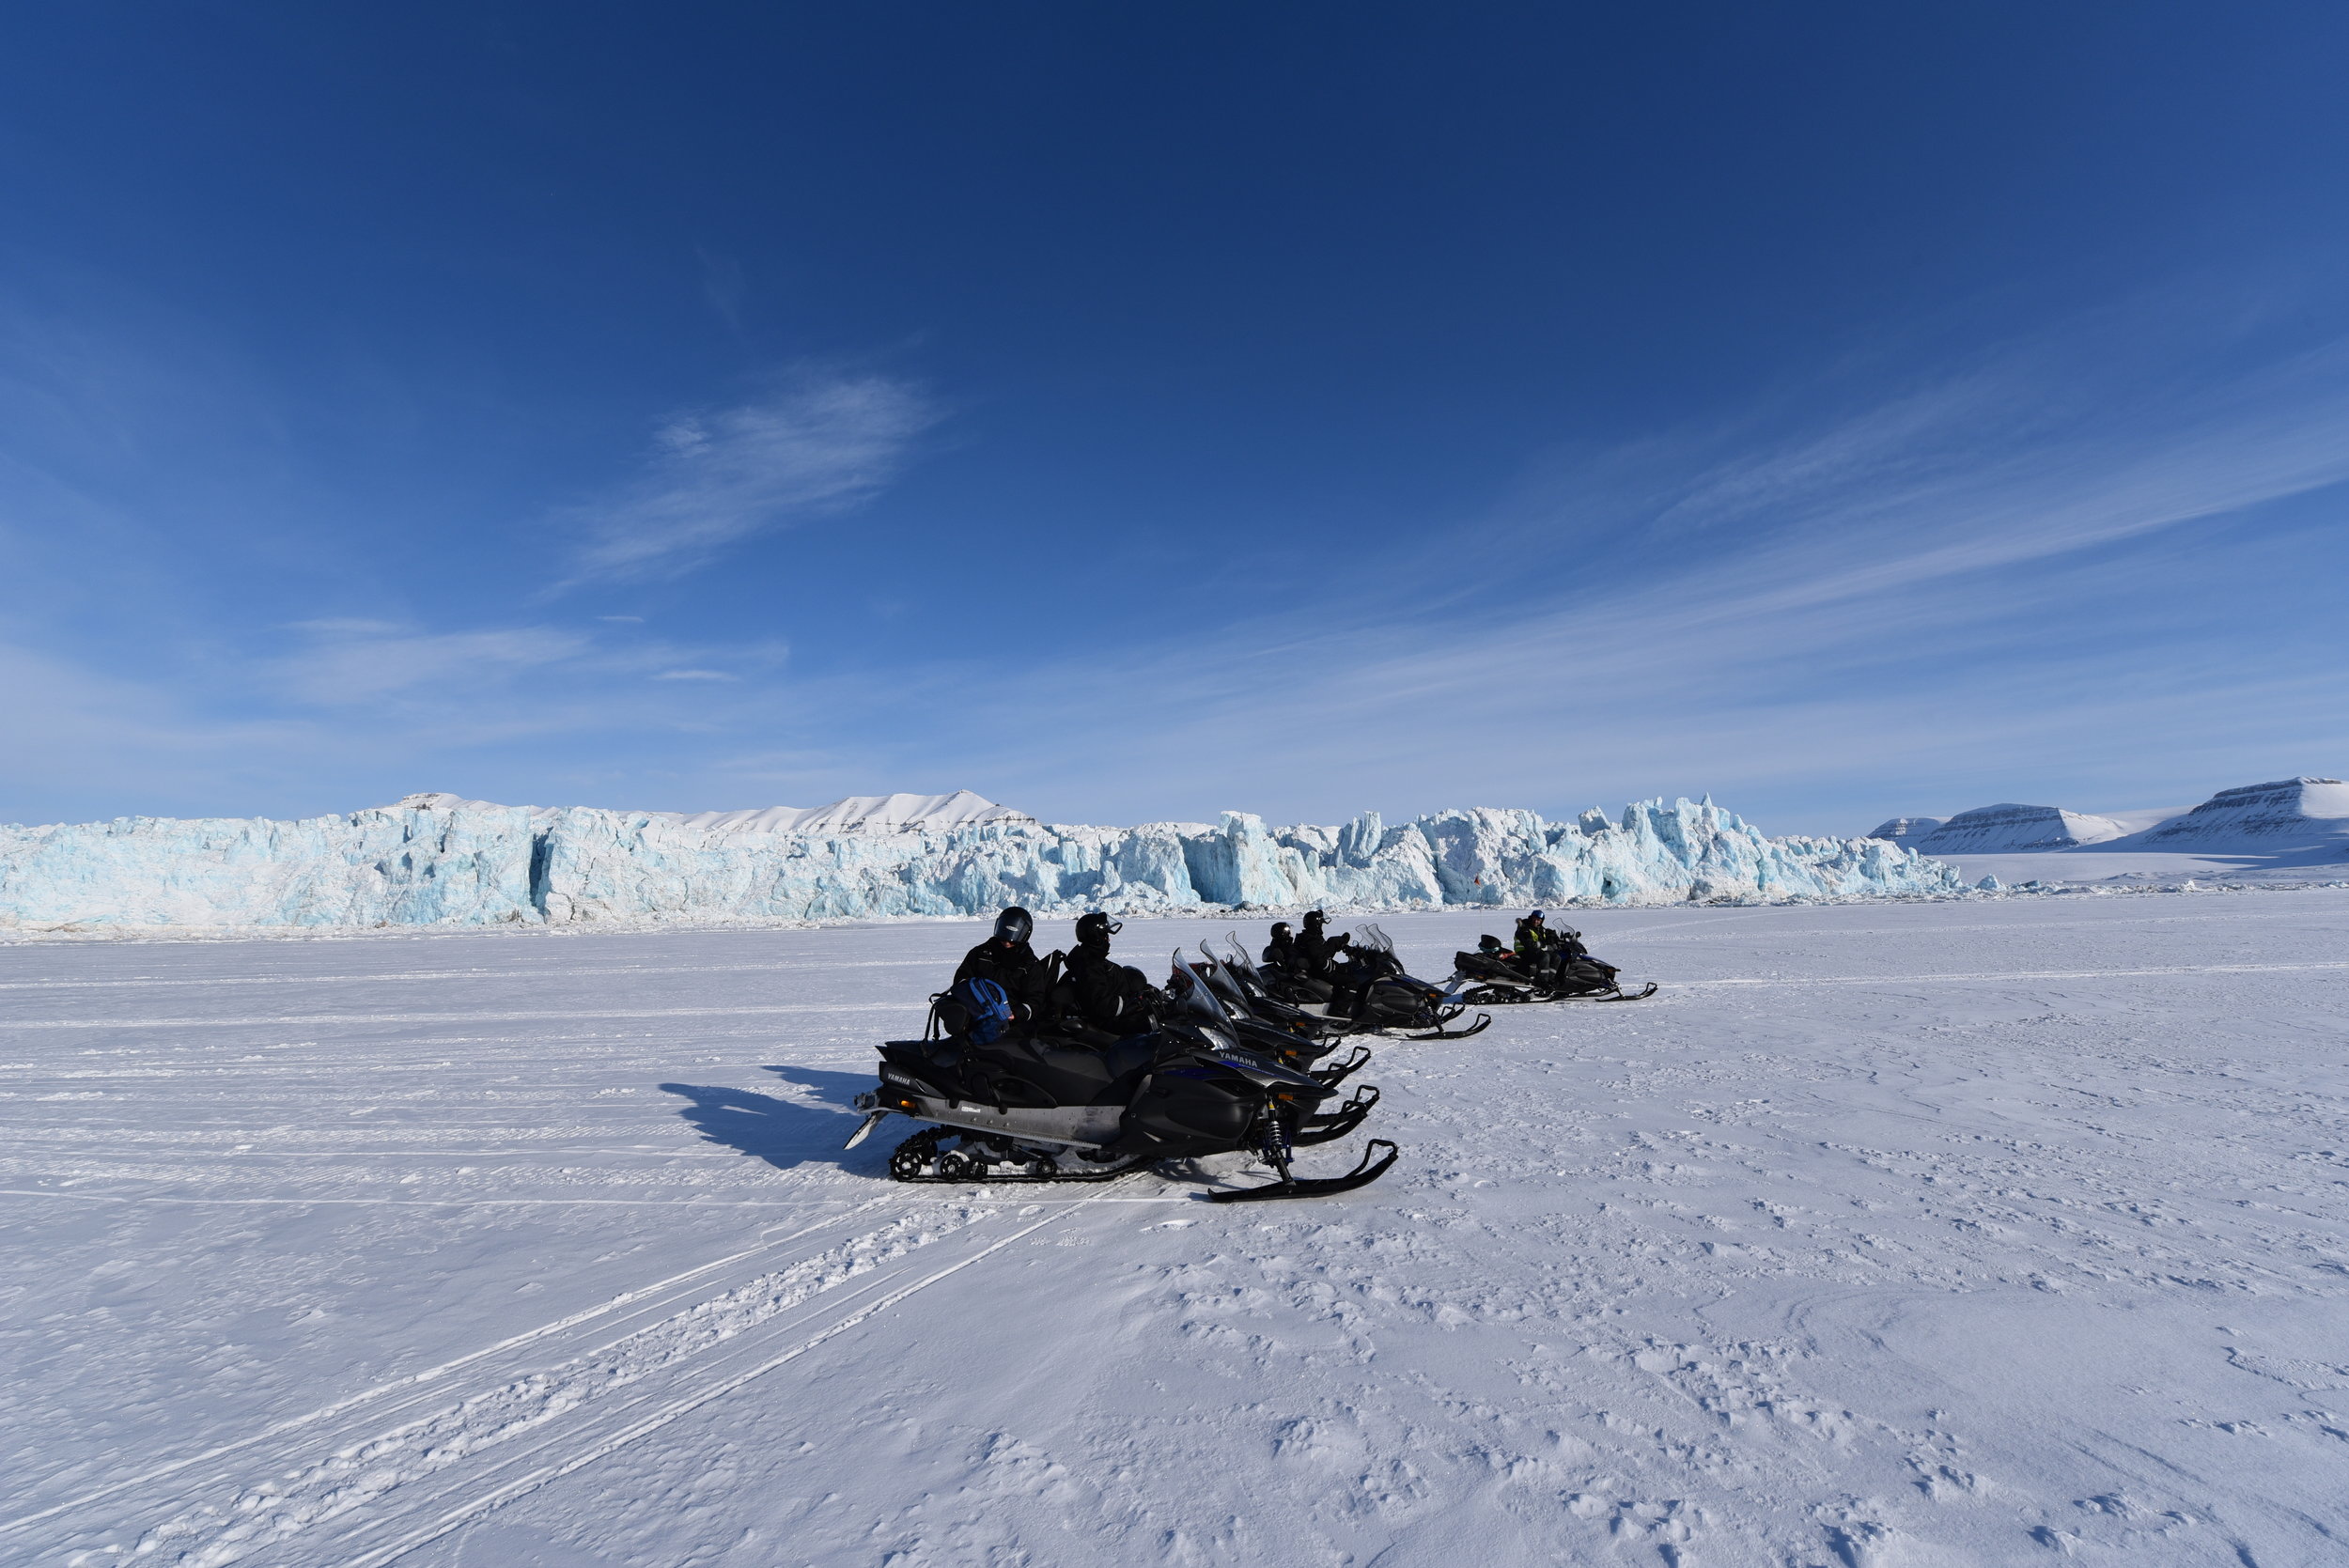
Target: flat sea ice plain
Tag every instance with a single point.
(1885, 1237)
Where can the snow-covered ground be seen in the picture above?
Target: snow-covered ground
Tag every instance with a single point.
(1983, 1232)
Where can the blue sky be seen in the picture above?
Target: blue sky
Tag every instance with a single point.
(1133, 412)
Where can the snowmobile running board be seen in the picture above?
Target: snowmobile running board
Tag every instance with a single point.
(1315, 1186)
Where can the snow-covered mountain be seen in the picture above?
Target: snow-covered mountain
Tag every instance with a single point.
(2252, 829)
(437, 860)
(2285, 816)
(2007, 827)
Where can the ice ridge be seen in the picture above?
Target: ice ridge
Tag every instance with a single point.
(444, 860)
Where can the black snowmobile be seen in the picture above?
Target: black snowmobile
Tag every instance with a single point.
(1262, 993)
(1290, 1035)
(1560, 968)
(1021, 1105)
(1378, 996)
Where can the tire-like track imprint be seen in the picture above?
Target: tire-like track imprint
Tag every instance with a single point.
(354, 1485)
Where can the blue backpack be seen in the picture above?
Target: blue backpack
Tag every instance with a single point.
(987, 1007)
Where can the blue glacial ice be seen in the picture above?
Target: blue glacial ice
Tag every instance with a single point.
(441, 860)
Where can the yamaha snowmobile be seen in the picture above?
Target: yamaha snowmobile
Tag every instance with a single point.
(1290, 1035)
(1375, 993)
(1260, 993)
(1560, 970)
(1021, 1107)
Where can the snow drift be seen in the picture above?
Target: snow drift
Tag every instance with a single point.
(441, 861)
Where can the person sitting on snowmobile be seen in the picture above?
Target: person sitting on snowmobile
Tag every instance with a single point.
(1289, 970)
(1280, 952)
(1323, 958)
(1532, 935)
(1099, 993)
(1317, 948)
(1006, 958)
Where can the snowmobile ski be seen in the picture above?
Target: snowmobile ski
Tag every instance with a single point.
(1442, 1031)
(1374, 1165)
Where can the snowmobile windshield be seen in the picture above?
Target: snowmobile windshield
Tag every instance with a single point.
(1198, 1006)
(1373, 938)
(1192, 994)
(1219, 978)
(1234, 957)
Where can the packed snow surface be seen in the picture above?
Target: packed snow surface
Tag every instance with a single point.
(2004, 829)
(440, 859)
(1992, 1232)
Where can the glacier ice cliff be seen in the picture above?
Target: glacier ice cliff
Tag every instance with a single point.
(442, 860)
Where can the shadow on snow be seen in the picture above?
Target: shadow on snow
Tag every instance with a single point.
(807, 1128)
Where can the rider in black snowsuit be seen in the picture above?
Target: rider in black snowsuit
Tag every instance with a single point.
(1280, 952)
(1006, 958)
(1317, 947)
(1099, 992)
(1317, 953)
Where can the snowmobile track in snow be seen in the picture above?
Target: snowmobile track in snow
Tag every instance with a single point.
(373, 1476)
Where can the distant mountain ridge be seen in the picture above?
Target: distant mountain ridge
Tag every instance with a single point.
(2303, 817)
(2285, 814)
(2008, 826)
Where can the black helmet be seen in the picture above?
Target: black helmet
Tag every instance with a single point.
(1094, 927)
(1013, 925)
(1486, 943)
(1314, 920)
(1280, 929)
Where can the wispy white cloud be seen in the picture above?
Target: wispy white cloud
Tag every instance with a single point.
(1878, 597)
(358, 661)
(824, 443)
